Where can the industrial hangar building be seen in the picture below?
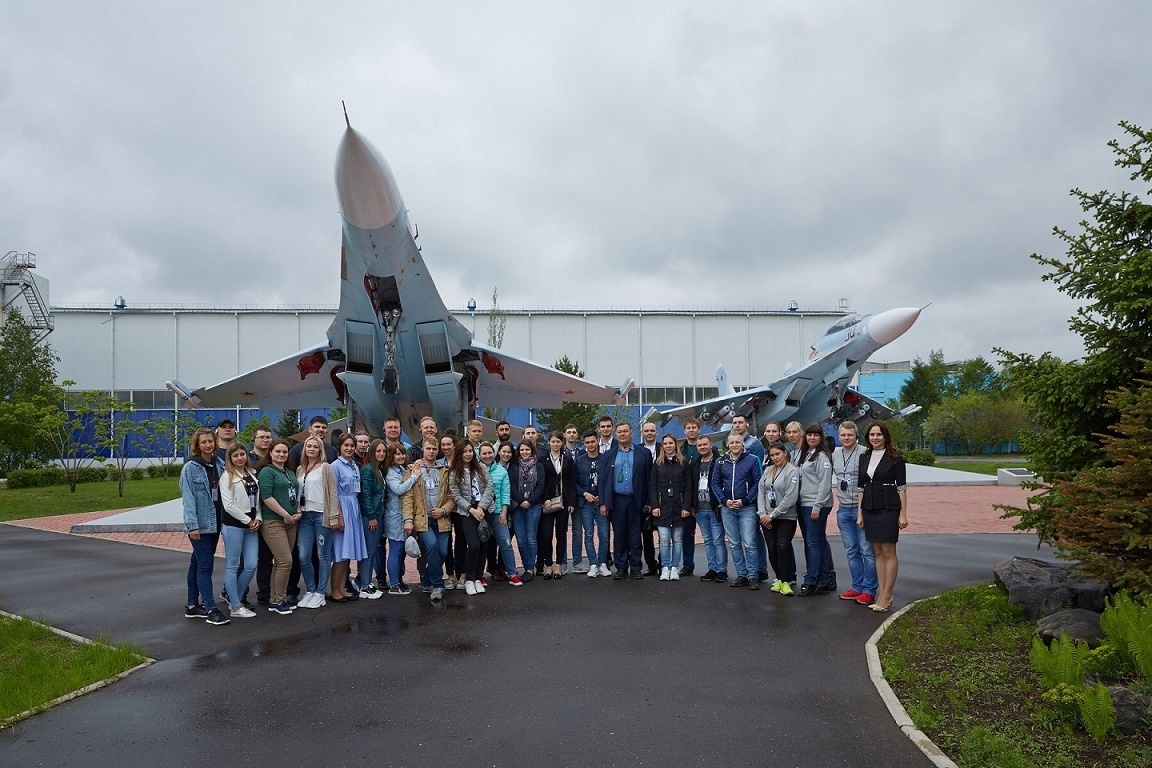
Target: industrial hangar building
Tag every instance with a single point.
(671, 353)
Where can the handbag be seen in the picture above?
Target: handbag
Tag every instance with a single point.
(485, 531)
(556, 504)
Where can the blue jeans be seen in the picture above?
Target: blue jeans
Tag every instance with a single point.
(690, 543)
(762, 549)
(671, 545)
(395, 557)
(200, 570)
(576, 523)
(239, 543)
(626, 547)
(307, 531)
(712, 531)
(593, 524)
(861, 558)
(433, 573)
(742, 528)
(817, 551)
(527, 522)
(372, 543)
(504, 543)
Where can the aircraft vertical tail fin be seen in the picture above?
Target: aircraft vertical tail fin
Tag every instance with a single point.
(723, 386)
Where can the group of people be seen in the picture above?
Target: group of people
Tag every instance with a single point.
(455, 503)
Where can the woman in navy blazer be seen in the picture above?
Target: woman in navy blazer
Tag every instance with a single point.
(883, 506)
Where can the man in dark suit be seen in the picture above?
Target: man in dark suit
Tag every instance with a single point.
(624, 495)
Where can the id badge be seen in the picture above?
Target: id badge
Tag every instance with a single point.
(252, 500)
(291, 494)
(619, 477)
(215, 495)
(356, 485)
(703, 485)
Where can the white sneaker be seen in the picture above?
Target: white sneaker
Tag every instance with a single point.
(673, 574)
(664, 574)
(318, 601)
(480, 588)
(469, 587)
(305, 599)
(604, 571)
(242, 613)
(593, 571)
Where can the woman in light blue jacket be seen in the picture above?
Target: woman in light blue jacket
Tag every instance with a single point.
(200, 492)
(396, 528)
(502, 490)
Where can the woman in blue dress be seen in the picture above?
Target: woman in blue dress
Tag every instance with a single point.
(347, 540)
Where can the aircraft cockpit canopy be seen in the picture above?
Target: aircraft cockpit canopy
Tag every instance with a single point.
(842, 323)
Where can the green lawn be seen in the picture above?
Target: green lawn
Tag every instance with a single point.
(982, 465)
(89, 497)
(37, 665)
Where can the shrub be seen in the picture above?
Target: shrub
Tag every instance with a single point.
(136, 473)
(165, 470)
(918, 456)
(35, 478)
(96, 474)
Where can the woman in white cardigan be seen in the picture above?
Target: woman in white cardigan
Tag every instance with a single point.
(240, 525)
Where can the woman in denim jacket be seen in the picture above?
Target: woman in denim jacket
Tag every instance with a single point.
(200, 491)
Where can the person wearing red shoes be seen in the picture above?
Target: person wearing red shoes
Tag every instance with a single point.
(846, 489)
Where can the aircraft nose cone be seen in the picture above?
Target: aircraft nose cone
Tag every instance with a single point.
(886, 327)
(369, 197)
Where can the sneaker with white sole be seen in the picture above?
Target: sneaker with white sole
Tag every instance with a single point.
(481, 587)
(514, 581)
(593, 571)
(664, 574)
(371, 593)
(437, 594)
(673, 574)
(605, 570)
(450, 582)
(216, 618)
(582, 568)
(240, 612)
(469, 587)
(195, 612)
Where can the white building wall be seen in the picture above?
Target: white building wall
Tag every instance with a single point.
(141, 348)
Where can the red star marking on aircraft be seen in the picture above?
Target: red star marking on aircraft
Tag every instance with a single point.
(247, 394)
(569, 391)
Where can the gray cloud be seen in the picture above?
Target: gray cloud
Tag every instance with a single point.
(656, 154)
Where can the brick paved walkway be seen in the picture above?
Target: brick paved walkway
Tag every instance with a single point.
(931, 509)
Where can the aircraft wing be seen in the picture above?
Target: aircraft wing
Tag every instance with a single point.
(301, 380)
(721, 409)
(858, 407)
(507, 381)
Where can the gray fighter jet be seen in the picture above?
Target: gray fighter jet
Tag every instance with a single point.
(394, 349)
(819, 391)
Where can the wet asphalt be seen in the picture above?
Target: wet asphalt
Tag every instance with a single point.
(579, 672)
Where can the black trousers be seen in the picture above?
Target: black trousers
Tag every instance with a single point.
(474, 550)
(778, 541)
(552, 525)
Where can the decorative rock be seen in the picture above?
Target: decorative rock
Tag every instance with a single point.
(1133, 710)
(1042, 587)
(1077, 623)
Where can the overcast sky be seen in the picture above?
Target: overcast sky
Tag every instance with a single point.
(589, 154)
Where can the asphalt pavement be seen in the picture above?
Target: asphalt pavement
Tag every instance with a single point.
(579, 672)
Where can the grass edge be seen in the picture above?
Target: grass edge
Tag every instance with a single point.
(11, 721)
(900, 715)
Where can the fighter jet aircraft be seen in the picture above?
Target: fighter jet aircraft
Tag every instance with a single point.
(819, 391)
(394, 349)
